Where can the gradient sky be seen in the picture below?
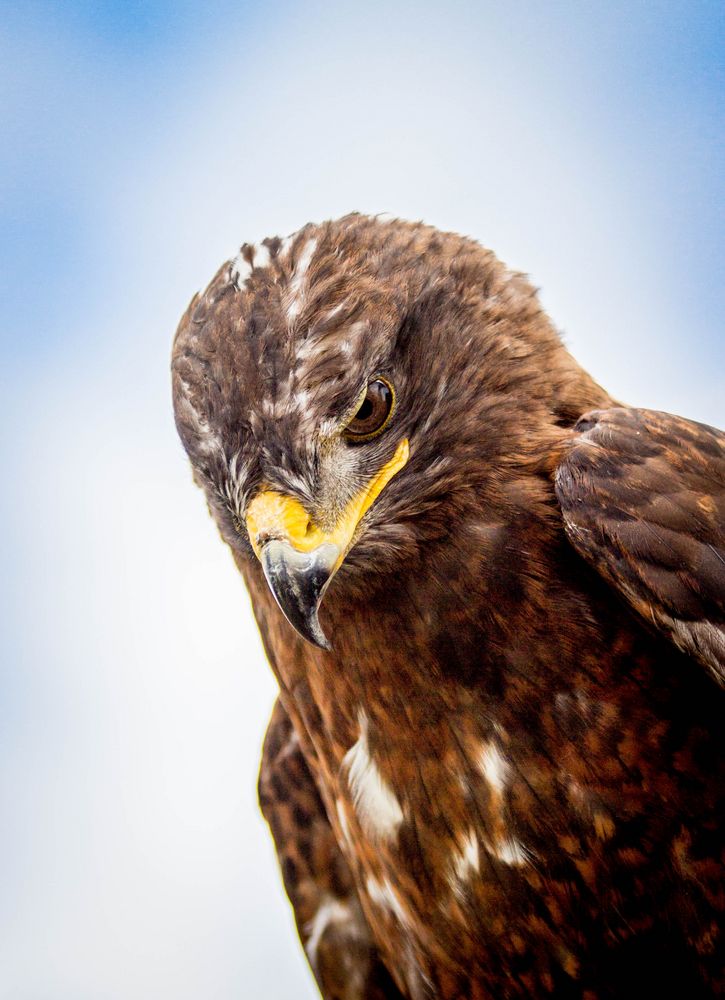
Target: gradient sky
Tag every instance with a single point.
(141, 144)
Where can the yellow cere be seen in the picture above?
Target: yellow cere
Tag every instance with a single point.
(273, 515)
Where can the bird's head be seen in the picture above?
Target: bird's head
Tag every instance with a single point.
(348, 394)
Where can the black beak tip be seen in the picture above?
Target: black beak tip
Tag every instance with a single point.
(323, 642)
(298, 581)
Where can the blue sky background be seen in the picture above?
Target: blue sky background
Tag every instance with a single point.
(140, 144)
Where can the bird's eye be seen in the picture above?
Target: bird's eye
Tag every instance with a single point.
(373, 413)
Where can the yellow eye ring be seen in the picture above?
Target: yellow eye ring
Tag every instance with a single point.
(373, 412)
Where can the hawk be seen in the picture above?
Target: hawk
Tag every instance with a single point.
(493, 598)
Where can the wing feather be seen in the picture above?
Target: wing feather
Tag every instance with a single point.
(336, 936)
(643, 498)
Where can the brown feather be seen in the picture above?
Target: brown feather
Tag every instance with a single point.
(643, 495)
(512, 780)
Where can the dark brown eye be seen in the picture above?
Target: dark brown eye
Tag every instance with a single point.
(374, 411)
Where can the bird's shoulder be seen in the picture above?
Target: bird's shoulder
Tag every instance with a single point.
(642, 493)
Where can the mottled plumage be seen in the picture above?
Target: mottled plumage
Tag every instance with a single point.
(504, 776)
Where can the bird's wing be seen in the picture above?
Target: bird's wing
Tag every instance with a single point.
(643, 497)
(330, 920)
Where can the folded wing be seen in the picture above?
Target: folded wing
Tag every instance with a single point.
(643, 498)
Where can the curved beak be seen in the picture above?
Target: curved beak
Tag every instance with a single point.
(298, 581)
(298, 558)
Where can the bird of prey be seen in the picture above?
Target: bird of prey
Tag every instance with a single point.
(494, 600)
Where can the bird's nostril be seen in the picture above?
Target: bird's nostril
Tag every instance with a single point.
(263, 537)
